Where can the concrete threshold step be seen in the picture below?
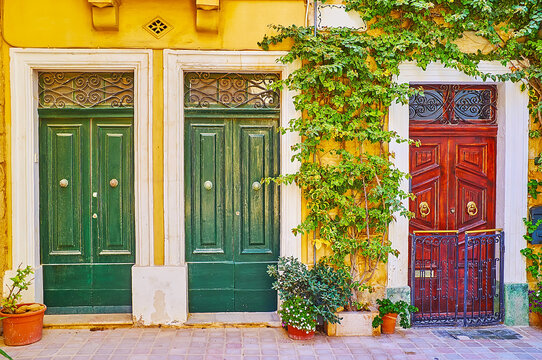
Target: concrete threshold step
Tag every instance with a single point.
(72, 321)
(233, 319)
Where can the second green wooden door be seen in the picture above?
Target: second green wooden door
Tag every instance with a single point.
(86, 213)
(231, 217)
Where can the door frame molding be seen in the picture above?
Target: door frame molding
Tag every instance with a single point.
(511, 172)
(177, 61)
(24, 66)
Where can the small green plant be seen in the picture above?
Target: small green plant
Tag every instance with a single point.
(4, 354)
(323, 288)
(402, 308)
(299, 313)
(20, 283)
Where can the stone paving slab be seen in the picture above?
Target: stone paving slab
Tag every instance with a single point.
(269, 344)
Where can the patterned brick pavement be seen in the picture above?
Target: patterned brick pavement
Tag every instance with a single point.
(267, 344)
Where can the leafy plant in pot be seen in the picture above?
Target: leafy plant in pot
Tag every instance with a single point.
(388, 312)
(308, 293)
(22, 323)
(300, 317)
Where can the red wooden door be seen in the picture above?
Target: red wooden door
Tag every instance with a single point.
(453, 179)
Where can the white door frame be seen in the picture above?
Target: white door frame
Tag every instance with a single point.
(175, 63)
(512, 164)
(24, 67)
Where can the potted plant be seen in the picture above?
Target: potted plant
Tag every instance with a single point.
(299, 316)
(308, 293)
(388, 312)
(22, 323)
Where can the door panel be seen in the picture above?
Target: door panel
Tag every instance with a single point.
(113, 169)
(63, 146)
(472, 179)
(231, 226)
(258, 203)
(86, 260)
(428, 178)
(205, 202)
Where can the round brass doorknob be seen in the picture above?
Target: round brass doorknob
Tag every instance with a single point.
(64, 183)
(208, 185)
(113, 183)
(256, 186)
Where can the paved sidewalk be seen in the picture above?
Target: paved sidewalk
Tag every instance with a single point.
(269, 343)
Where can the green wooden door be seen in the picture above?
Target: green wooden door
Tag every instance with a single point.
(232, 219)
(86, 212)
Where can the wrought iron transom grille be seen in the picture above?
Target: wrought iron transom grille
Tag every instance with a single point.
(454, 105)
(231, 90)
(457, 279)
(86, 90)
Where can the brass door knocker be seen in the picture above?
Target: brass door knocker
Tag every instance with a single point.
(471, 208)
(424, 209)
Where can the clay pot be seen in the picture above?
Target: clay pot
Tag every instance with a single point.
(23, 329)
(388, 325)
(296, 334)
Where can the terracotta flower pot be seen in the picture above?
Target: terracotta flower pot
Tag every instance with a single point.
(296, 334)
(389, 320)
(23, 329)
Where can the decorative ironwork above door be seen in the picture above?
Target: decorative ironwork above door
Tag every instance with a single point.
(86, 90)
(231, 90)
(454, 105)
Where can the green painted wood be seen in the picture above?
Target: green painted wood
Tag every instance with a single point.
(113, 160)
(89, 310)
(85, 113)
(86, 261)
(65, 233)
(208, 218)
(232, 229)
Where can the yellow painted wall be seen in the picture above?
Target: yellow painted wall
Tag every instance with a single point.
(68, 24)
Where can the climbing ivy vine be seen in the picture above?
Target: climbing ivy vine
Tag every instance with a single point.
(345, 85)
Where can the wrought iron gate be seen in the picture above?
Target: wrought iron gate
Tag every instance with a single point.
(457, 279)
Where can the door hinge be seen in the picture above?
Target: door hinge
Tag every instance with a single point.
(36, 157)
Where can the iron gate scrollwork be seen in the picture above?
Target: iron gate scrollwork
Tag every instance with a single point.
(457, 279)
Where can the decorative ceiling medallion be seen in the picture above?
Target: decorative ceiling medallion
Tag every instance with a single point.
(158, 27)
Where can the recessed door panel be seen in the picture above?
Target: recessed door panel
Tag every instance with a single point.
(206, 179)
(113, 167)
(63, 150)
(258, 201)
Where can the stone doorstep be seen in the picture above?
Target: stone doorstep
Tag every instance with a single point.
(249, 319)
(233, 319)
(87, 320)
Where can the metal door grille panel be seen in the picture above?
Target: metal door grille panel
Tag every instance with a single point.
(440, 286)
